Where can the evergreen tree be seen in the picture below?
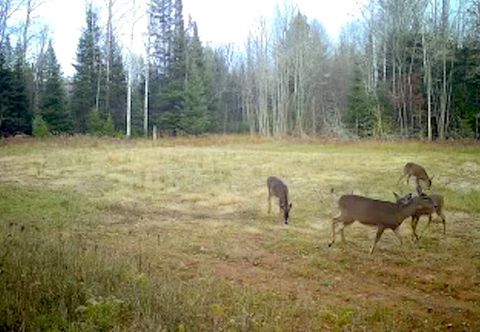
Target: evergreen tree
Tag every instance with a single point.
(88, 71)
(7, 52)
(466, 91)
(95, 123)
(6, 80)
(359, 115)
(195, 117)
(171, 99)
(138, 98)
(15, 114)
(213, 70)
(117, 89)
(52, 98)
(39, 127)
(161, 22)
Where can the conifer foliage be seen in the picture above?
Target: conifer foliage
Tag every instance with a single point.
(53, 99)
(406, 69)
(87, 79)
(15, 111)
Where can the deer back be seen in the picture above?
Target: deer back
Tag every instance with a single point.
(376, 212)
(367, 210)
(416, 170)
(279, 189)
(437, 208)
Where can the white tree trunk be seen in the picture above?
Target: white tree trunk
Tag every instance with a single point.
(129, 102)
(130, 76)
(145, 98)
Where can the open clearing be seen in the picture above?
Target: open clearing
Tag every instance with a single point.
(174, 235)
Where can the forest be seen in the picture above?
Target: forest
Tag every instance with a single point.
(408, 69)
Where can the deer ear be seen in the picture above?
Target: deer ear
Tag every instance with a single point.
(395, 194)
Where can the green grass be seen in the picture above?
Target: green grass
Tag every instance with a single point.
(102, 235)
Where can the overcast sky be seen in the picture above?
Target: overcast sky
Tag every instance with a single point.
(219, 21)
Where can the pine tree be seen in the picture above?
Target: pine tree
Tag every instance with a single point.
(195, 118)
(6, 79)
(53, 106)
(117, 91)
(161, 22)
(15, 113)
(466, 92)
(7, 52)
(88, 71)
(359, 113)
(213, 70)
(177, 66)
(171, 98)
(39, 127)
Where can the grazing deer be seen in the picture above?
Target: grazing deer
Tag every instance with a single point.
(438, 209)
(412, 169)
(377, 213)
(279, 189)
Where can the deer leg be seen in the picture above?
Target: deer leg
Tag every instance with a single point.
(400, 179)
(419, 189)
(379, 235)
(408, 179)
(428, 224)
(334, 223)
(342, 234)
(414, 227)
(417, 182)
(444, 224)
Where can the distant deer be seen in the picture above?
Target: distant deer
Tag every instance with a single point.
(377, 213)
(417, 171)
(438, 209)
(279, 189)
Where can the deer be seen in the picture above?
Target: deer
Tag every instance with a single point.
(417, 171)
(381, 214)
(277, 188)
(438, 210)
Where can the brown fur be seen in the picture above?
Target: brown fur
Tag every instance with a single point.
(277, 188)
(377, 213)
(438, 209)
(417, 171)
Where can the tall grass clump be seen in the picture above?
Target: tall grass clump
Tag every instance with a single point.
(55, 283)
(62, 283)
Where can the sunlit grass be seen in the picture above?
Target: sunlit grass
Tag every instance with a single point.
(174, 234)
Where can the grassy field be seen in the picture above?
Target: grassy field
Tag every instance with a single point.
(174, 235)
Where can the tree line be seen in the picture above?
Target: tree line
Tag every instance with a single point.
(405, 68)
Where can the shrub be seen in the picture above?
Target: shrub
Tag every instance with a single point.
(108, 126)
(39, 127)
(98, 126)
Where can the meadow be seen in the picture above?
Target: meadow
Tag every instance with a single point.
(174, 235)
